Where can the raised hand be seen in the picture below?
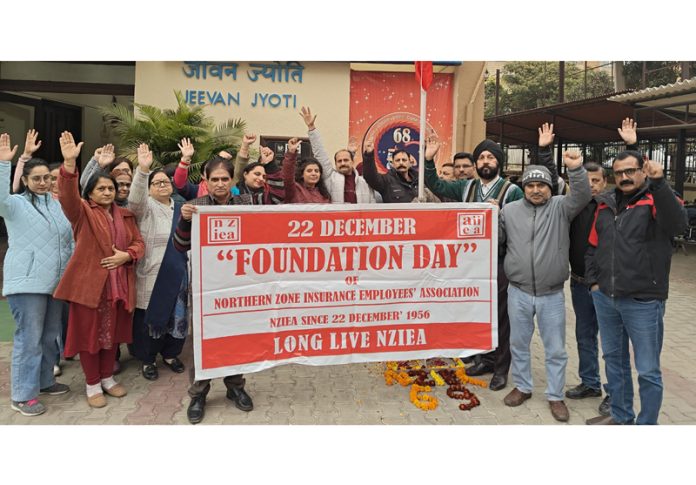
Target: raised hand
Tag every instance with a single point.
(653, 169)
(106, 156)
(119, 257)
(144, 158)
(572, 159)
(628, 131)
(7, 153)
(267, 155)
(546, 134)
(187, 150)
(369, 147)
(30, 144)
(432, 145)
(306, 114)
(248, 139)
(68, 148)
(294, 144)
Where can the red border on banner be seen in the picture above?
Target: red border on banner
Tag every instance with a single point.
(432, 225)
(244, 349)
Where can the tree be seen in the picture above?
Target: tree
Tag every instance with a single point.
(658, 73)
(163, 129)
(528, 85)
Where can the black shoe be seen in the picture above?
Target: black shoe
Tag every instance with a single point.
(150, 372)
(498, 382)
(601, 420)
(175, 365)
(196, 410)
(241, 399)
(467, 360)
(581, 391)
(479, 369)
(605, 407)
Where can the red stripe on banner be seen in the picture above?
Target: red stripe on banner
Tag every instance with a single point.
(245, 349)
(234, 228)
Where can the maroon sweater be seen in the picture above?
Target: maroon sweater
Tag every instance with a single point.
(297, 193)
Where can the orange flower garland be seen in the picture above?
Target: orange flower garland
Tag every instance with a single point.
(420, 399)
(461, 375)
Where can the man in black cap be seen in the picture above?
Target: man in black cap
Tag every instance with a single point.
(534, 234)
(489, 187)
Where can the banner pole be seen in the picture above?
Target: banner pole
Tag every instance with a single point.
(421, 146)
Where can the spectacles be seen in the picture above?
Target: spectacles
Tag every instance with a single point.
(41, 178)
(124, 185)
(161, 183)
(629, 172)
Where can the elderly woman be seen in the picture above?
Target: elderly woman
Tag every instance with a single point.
(159, 322)
(39, 246)
(303, 184)
(99, 281)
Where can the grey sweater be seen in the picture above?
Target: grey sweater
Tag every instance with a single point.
(535, 239)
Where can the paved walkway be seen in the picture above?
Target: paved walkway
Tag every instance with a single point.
(357, 394)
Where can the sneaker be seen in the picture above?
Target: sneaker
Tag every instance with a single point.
(29, 408)
(55, 390)
(57, 370)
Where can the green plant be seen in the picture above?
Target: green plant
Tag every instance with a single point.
(163, 129)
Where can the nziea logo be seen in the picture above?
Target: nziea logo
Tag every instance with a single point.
(224, 230)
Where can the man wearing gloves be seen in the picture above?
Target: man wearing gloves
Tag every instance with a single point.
(534, 234)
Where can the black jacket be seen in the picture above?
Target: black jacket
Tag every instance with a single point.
(631, 250)
(392, 186)
(579, 234)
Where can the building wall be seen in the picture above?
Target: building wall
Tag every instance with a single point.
(325, 87)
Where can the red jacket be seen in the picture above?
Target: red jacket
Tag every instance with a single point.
(84, 278)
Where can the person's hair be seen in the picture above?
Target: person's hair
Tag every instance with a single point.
(595, 167)
(170, 169)
(350, 154)
(155, 172)
(299, 172)
(630, 153)
(28, 167)
(448, 164)
(53, 166)
(218, 162)
(118, 161)
(252, 166)
(459, 155)
(92, 182)
(400, 151)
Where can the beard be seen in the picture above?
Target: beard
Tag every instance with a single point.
(486, 172)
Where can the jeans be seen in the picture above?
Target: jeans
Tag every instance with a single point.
(38, 321)
(586, 329)
(620, 320)
(550, 313)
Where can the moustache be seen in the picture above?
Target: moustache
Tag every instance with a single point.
(626, 182)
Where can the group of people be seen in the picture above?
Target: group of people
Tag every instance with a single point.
(115, 251)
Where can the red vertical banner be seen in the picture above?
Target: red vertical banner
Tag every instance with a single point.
(424, 73)
(384, 109)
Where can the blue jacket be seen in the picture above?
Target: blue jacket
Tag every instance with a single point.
(40, 240)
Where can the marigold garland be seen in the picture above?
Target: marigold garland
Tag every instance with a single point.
(420, 399)
(461, 375)
(436, 377)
